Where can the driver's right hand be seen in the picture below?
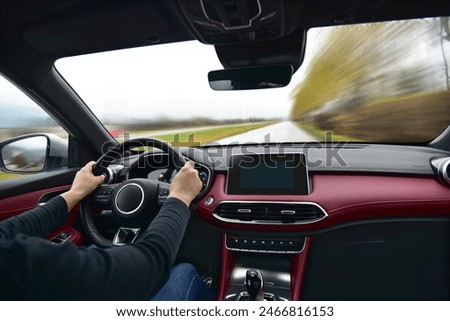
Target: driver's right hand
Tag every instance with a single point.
(186, 184)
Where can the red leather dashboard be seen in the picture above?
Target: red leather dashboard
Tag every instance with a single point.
(346, 198)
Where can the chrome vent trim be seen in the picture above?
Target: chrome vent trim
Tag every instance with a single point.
(273, 213)
(441, 167)
(446, 171)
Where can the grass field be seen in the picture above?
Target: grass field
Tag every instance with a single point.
(201, 137)
(4, 175)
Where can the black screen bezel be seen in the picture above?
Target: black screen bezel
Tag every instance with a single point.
(301, 181)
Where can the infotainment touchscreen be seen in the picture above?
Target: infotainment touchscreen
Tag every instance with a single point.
(268, 174)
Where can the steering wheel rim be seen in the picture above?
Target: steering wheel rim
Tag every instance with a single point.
(110, 156)
(101, 166)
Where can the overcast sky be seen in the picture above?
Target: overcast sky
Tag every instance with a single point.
(168, 81)
(162, 81)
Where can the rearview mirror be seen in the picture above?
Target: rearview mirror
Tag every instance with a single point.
(258, 77)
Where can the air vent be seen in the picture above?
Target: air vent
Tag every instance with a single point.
(441, 167)
(447, 172)
(269, 212)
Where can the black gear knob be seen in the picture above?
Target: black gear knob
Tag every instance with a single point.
(254, 282)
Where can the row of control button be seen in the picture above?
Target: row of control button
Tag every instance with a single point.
(252, 244)
(163, 193)
(61, 238)
(103, 194)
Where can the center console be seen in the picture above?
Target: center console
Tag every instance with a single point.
(279, 263)
(260, 205)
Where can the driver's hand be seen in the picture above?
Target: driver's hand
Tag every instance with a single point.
(186, 184)
(83, 184)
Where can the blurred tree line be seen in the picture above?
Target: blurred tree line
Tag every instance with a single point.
(358, 71)
(370, 61)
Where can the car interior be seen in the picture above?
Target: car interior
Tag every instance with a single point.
(290, 220)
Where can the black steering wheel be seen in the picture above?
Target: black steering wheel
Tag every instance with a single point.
(133, 203)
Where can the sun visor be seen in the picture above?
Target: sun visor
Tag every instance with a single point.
(124, 25)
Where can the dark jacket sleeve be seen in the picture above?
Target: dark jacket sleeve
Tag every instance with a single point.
(40, 221)
(66, 272)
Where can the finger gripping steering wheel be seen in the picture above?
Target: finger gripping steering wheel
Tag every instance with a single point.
(132, 203)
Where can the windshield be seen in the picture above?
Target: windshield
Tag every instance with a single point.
(381, 82)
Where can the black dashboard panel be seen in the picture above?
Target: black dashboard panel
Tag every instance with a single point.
(320, 158)
(348, 158)
(340, 157)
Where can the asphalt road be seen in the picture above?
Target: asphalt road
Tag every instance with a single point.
(286, 131)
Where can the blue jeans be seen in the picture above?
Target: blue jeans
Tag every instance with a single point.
(184, 284)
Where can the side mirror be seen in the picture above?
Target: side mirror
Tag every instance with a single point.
(33, 154)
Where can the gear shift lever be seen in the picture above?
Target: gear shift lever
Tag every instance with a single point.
(254, 282)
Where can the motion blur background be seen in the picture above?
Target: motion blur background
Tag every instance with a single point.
(381, 82)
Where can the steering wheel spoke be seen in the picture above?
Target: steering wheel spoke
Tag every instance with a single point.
(125, 235)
